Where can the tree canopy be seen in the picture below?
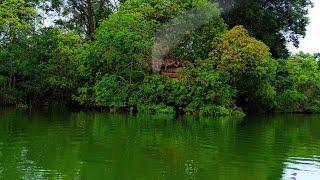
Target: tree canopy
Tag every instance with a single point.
(100, 54)
(84, 16)
(15, 15)
(273, 22)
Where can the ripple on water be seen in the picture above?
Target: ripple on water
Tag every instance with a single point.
(302, 168)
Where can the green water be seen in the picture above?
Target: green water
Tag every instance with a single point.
(65, 145)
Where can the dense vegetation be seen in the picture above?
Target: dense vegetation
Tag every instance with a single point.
(99, 55)
(273, 22)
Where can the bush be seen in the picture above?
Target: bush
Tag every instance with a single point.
(158, 89)
(211, 93)
(200, 90)
(112, 92)
(298, 84)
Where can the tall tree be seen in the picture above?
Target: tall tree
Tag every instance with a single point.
(248, 62)
(276, 22)
(83, 16)
(15, 19)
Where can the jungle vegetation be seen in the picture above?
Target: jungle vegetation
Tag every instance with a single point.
(98, 54)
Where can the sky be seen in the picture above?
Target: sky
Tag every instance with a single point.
(311, 43)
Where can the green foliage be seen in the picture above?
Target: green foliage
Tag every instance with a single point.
(227, 72)
(14, 67)
(198, 43)
(3, 80)
(162, 90)
(49, 70)
(271, 21)
(123, 45)
(61, 71)
(248, 62)
(211, 92)
(82, 16)
(298, 84)
(15, 19)
(112, 92)
(15, 15)
(155, 109)
(200, 90)
(155, 11)
(122, 48)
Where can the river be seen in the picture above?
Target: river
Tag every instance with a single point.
(89, 145)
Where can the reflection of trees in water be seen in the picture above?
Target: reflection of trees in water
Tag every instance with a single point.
(92, 145)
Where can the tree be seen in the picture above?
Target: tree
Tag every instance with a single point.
(84, 16)
(15, 15)
(298, 84)
(250, 66)
(15, 21)
(273, 22)
(183, 29)
(121, 54)
(61, 63)
(14, 68)
(199, 27)
(42, 68)
(155, 11)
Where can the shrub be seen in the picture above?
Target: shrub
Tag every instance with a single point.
(200, 90)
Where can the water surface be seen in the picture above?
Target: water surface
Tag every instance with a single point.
(66, 145)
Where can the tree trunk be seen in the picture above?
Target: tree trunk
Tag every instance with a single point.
(90, 20)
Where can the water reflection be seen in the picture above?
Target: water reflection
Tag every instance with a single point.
(57, 145)
(302, 168)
